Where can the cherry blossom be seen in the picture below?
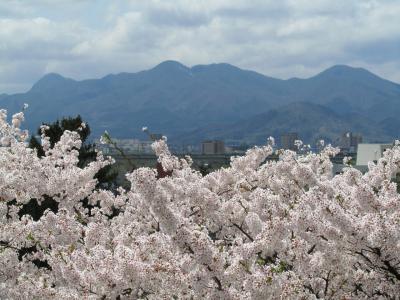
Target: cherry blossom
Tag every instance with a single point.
(258, 229)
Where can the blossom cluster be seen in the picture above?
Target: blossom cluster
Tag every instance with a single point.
(258, 229)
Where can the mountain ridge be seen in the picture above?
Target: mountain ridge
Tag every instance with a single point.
(201, 66)
(181, 101)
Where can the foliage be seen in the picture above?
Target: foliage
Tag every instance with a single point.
(87, 151)
(259, 229)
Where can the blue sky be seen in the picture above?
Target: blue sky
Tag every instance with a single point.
(288, 38)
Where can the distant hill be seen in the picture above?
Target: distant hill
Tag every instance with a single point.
(312, 121)
(219, 101)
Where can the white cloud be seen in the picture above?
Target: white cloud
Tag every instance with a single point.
(82, 39)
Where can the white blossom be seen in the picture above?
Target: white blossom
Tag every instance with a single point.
(258, 229)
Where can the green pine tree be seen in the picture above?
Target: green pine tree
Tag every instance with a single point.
(106, 177)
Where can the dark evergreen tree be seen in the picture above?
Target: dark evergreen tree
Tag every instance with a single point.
(106, 176)
(55, 131)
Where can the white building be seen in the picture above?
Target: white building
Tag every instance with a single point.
(213, 147)
(128, 146)
(370, 152)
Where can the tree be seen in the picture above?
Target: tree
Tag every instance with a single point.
(259, 229)
(55, 130)
(87, 153)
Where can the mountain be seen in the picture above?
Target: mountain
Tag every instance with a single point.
(346, 89)
(218, 101)
(312, 121)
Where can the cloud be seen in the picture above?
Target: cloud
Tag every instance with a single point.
(84, 39)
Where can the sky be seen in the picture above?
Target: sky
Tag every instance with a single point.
(84, 39)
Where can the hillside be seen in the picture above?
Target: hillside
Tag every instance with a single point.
(312, 121)
(218, 100)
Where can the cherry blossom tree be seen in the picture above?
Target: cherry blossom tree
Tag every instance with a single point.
(258, 229)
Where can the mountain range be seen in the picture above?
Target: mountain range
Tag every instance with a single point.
(219, 101)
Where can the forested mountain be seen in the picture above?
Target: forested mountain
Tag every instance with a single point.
(219, 101)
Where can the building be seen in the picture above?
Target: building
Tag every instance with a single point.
(370, 152)
(213, 147)
(349, 142)
(288, 139)
(127, 146)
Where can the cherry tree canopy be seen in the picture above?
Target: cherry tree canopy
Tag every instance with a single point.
(255, 230)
